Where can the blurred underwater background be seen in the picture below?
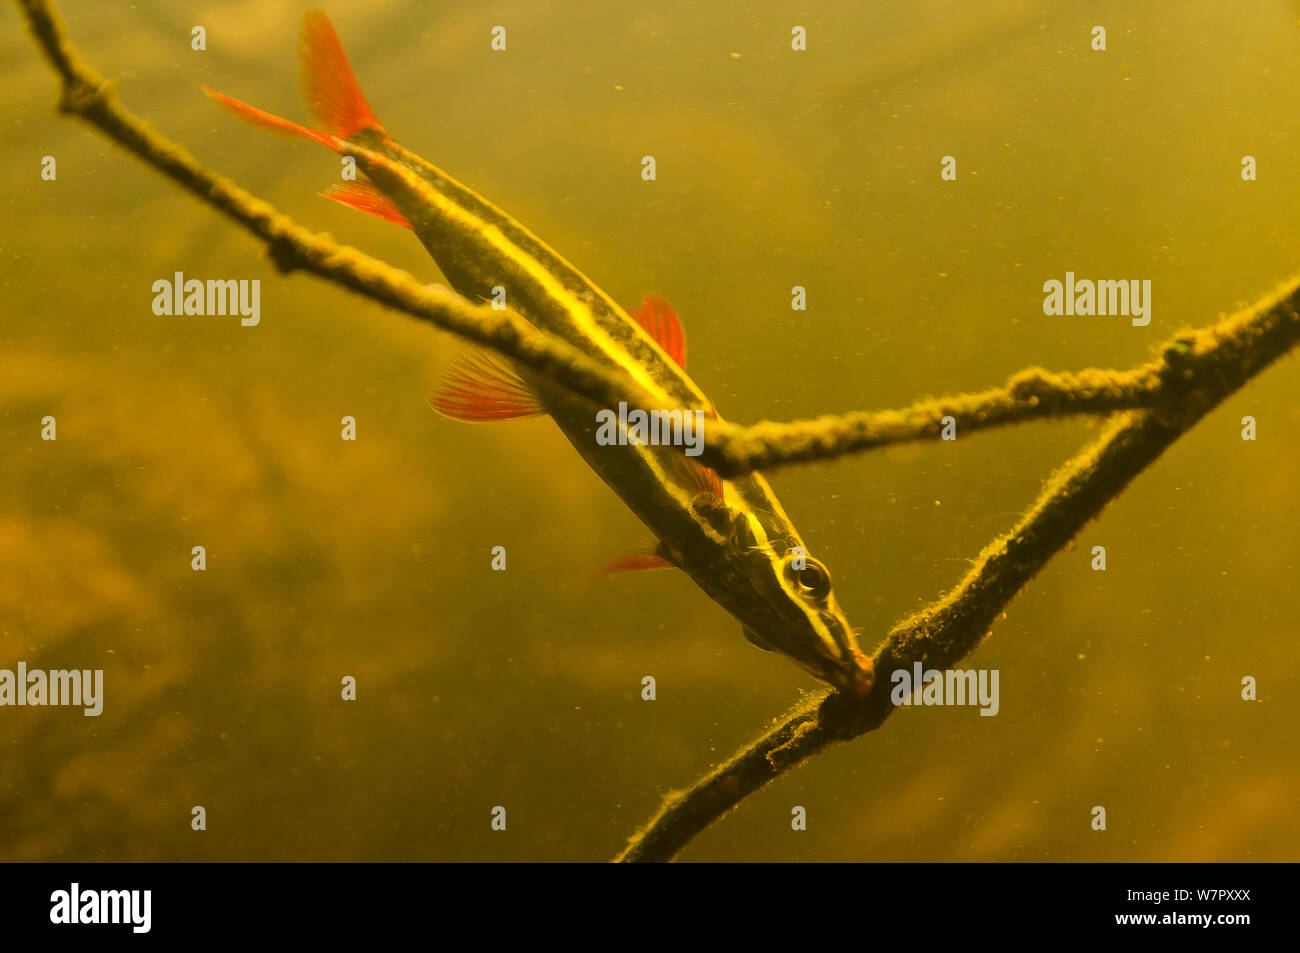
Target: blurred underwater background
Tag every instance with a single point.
(522, 688)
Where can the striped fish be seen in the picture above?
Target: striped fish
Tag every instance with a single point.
(731, 536)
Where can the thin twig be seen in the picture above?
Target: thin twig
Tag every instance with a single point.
(1031, 394)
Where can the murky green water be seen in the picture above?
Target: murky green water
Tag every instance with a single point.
(371, 558)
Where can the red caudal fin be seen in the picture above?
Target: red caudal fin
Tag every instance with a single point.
(329, 89)
(364, 197)
(481, 388)
(328, 86)
(661, 322)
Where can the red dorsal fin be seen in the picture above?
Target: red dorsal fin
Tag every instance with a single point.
(661, 322)
(633, 562)
(328, 86)
(273, 123)
(364, 197)
(479, 387)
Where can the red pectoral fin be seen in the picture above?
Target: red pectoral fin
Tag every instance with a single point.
(364, 197)
(697, 476)
(479, 387)
(704, 479)
(633, 562)
(661, 322)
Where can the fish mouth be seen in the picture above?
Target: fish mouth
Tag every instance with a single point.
(853, 671)
(836, 661)
(861, 675)
(855, 676)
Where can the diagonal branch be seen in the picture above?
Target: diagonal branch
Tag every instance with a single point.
(1208, 365)
(89, 96)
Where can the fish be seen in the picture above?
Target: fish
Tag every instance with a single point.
(731, 536)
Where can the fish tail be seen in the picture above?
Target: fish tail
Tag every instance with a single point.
(273, 123)
(329, 88)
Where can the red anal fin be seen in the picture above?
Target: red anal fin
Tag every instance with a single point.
(364, 197)
(634, 562)
(328, 85)
(273, 123)
(479, 388)
(661, 322)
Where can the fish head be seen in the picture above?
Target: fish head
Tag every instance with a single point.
(784, 599)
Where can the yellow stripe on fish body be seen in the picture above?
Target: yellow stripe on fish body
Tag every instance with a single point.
(732, 537)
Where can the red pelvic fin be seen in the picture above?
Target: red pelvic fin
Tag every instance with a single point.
(365, 197)
(328, 85)
(661, 322)
(480, 387)
(634, 562)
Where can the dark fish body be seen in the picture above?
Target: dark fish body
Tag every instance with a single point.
(731, 536)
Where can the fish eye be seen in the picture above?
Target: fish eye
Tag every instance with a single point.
(814, 579)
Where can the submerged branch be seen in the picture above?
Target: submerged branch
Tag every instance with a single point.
(1186, 366)
(89, 96)
(1208, 365)
(1031, 394)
